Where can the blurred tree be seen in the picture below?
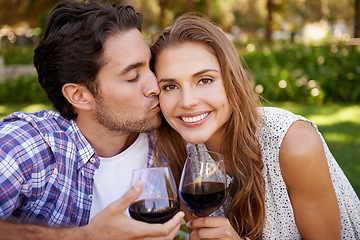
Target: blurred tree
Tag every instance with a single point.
(313, 10)
(124, 2)
(262, 16)
(292, 15)
(33, 12)
(207, 11)
(357, 19)
(272, 6)
(341, 10)
(250, 16)
(269, 23)
(189, 5)
(221, 12)
(163, 6)
(170, 9)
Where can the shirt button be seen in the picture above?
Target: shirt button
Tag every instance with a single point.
(90, 197)
(92, 160)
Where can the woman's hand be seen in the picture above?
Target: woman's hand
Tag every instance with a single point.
(211, 228)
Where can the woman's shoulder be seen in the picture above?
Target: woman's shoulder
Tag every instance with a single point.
(274, 124)
(276, 119)
(277, 114)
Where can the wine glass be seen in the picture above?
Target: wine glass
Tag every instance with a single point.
(203, 182)
(158, 201)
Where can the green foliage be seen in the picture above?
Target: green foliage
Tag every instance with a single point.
(8, 108)
(22, 89)
(309, 74)
(17, 55)
(280, 72)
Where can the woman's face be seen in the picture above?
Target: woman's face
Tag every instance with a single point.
(192, 97)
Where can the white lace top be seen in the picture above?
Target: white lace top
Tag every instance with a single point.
(280, 221)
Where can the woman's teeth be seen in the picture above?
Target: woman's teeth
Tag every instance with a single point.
(194, 119)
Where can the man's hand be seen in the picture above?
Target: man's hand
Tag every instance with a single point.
(114, 223)
(111, 223)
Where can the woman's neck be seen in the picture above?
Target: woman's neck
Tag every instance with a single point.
(215, 146)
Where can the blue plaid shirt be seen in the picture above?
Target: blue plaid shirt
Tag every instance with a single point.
(46, 170)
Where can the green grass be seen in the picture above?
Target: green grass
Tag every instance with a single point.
(338, 123)
(6, 109)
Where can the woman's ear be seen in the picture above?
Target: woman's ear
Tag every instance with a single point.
(78, 95)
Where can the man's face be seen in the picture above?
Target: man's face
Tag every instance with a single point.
(127, 99)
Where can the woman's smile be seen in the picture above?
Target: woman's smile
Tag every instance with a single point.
(194, 119)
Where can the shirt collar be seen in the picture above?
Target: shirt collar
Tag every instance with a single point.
(85, 152)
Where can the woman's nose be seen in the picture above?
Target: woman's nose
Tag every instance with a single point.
(188, 99)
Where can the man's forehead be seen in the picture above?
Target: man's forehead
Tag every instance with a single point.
(126, 51)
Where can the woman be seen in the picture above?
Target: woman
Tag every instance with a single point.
(285, 182)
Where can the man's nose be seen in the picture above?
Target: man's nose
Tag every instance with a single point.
(152, 87)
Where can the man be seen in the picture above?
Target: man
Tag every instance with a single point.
(68, 168)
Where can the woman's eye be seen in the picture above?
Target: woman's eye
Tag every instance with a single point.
(204, 81)
(169, 87)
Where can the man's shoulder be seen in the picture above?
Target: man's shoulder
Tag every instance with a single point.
(41, 121)
(24, 133)
(34, 116)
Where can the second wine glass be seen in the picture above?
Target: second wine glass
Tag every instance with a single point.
(203, 182)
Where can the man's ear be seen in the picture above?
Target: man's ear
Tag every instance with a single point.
(78, 95)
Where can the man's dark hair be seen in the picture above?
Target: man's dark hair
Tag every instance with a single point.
(70, 50)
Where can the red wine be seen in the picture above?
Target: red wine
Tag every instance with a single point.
(203, 199)
(155, 210)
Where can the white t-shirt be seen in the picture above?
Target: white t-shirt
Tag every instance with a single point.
(113, 178)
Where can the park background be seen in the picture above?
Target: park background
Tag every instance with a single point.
(300, 55)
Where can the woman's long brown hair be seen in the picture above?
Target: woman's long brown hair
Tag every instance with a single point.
(240, 145)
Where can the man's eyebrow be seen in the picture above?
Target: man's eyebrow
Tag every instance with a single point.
(131, 67)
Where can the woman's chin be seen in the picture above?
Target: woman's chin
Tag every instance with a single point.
(194, 140)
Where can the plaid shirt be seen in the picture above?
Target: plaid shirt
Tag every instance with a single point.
(46, 170)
